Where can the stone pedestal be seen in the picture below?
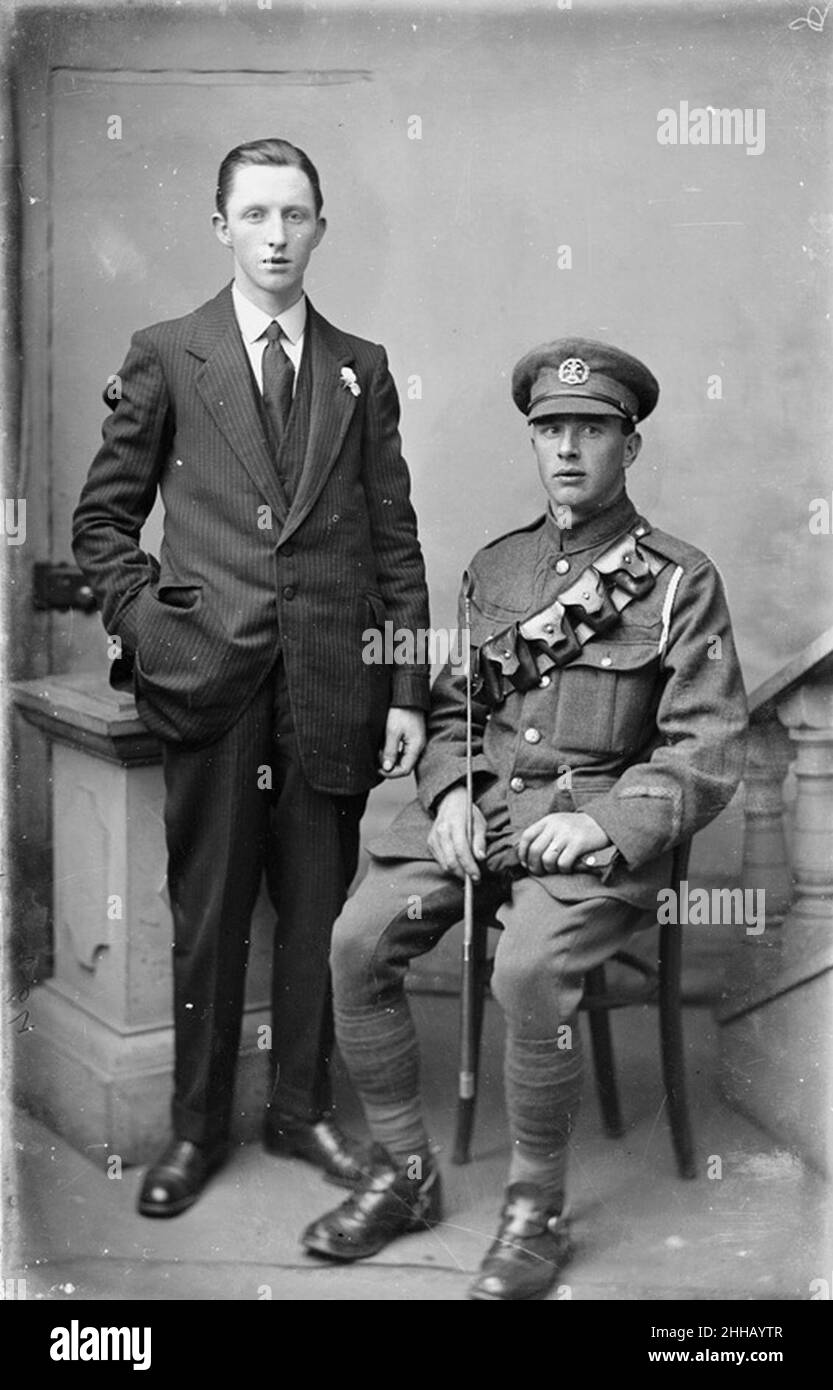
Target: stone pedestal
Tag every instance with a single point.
(777, 1028)
(96, 1063)
(756, 958)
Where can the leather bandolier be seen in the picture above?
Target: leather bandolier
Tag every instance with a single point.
(517, 656)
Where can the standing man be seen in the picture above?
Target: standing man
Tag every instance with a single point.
(608, 721)
(273, 439)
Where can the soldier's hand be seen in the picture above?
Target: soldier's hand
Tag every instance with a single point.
(449, 841)
(404, 741)
(554, 843)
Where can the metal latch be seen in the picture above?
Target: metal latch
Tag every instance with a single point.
(61, 586)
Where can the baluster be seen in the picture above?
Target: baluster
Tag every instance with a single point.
(766, 863)
(807, 714)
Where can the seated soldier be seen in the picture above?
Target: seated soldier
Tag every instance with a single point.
(608, 714)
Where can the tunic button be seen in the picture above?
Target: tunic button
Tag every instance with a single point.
(532, 735)
(562, 566)
(517, 784)
(289, 591)
(544, 682)
(606, 660)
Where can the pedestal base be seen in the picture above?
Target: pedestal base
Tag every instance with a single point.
(109, 1093)
(775, 1067)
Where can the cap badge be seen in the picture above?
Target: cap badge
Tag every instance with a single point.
(573, 372)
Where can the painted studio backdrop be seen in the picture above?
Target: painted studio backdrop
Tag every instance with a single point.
(493, 177)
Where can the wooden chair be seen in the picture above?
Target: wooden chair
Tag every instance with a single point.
(660, 984)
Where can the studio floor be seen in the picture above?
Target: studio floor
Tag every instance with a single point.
(760, 1231)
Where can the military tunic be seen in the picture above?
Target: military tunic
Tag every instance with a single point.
(644, 729)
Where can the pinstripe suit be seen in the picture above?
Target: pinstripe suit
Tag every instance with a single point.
(245, 640)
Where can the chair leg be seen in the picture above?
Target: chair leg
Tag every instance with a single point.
(672, 1047)
(603, 1062)
(466, 1104)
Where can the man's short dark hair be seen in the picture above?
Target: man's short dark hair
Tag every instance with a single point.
(278, 152)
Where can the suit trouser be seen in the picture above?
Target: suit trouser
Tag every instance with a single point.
(224, 827)
(400, 911)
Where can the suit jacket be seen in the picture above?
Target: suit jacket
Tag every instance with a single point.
(242, 572)
(644, 729)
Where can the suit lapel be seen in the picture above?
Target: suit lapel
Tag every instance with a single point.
(331, 410)
(225, 387)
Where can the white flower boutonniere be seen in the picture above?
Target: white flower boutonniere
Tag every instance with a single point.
(348, 379)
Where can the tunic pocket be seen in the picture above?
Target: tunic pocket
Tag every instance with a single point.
(607, 699)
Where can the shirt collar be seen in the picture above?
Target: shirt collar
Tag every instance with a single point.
(604, 525)
(254, 321)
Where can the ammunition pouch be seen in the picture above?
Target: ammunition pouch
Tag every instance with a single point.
(521, 653)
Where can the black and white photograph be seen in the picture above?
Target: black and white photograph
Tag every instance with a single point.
(418, 662)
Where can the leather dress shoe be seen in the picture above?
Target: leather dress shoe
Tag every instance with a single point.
(529, 1251)
(174, 1182)
(387, 1204)
(342, 1160)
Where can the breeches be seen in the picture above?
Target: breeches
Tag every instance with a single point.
(403, 908)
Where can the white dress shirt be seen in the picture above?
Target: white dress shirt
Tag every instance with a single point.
(253, 323)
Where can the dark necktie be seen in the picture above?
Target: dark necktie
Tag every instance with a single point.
(278, 379)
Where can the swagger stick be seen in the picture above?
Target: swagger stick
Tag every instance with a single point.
(469, 983)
